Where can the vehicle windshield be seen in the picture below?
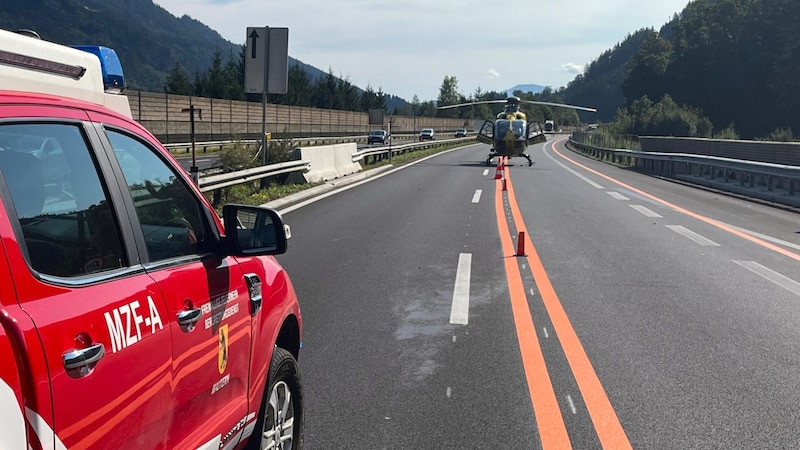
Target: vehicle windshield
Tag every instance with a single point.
(376, 133)
(502, 126)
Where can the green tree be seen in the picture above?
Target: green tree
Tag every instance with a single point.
(665, 118)
(178, 81)
(216, 82)
(300, 89)
(448, 95)
(372, 100)
(324, 91)
(200, 85)
(647, 68)
(347, 96)
(233, 77)
(427, 109)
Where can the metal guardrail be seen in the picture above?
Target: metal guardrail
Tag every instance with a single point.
(217, 181)
(387, 151)
(205, 146)
(186, 147)
(213, 182)
(777, 183)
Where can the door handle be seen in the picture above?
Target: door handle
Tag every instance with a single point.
(188, 319)
(79, 358)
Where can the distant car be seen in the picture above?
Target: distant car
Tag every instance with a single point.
(427, 134)
(378, 136)
(461, 132)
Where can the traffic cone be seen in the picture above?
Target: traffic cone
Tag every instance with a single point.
(498, 174)
(521, 244)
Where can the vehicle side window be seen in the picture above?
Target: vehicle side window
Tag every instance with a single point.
(168, 211)
(62, 204)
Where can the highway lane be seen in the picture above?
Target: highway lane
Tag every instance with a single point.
(681, 324)
(695, 345)
(376, 269)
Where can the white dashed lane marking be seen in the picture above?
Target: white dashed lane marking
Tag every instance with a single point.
(770, 275)
(477, 197)
(689, 234)
(646, 211)
(459, 311)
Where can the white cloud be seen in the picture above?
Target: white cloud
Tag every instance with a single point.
(572, 68)
(491, 73)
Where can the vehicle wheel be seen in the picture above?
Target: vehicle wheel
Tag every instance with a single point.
(280, 419)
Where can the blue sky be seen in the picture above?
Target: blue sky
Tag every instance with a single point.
(407, 47)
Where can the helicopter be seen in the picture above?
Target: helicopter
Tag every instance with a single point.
(511, 133)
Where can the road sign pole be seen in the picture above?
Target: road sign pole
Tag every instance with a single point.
(264, 148)
(194, 171)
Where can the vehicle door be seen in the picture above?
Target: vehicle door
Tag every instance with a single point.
(98, 320)
(203, 289)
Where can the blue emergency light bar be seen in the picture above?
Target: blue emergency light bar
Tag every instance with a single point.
(113, 80)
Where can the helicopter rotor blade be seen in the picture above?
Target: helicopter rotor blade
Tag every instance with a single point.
(560, 105)
(483, 102)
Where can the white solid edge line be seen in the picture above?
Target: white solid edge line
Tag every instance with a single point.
(317, 198)
(585, 179)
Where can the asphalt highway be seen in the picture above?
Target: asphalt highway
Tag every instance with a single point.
(637, 313)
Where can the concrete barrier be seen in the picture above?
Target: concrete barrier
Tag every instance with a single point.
(328, 162)
(343, 158)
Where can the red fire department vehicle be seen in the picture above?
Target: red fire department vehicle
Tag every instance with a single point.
(130, 316)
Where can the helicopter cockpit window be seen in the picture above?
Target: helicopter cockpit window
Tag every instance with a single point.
(501, 127)
(519, 128)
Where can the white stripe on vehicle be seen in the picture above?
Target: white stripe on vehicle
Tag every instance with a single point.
(47, 437)
(12, 423)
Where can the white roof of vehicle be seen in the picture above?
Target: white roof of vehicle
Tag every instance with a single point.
(28, 64)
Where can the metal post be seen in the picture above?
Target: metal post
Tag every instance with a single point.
(265, 90)
(264, 128)
(193, 170)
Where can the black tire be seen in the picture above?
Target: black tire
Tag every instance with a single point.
(280, 430)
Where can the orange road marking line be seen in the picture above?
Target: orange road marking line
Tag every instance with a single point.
(552, 431)
(685, 211)
(609, 430)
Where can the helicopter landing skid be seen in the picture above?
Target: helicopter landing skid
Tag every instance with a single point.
(528, 157)
(492, 155)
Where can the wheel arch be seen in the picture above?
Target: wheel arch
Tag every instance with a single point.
(289, 336)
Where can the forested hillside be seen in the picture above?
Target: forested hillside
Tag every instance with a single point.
(600, 85)
(734, 61)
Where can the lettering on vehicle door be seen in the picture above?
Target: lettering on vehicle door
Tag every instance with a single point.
(125, 323)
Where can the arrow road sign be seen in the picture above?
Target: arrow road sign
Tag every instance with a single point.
(267, 67)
